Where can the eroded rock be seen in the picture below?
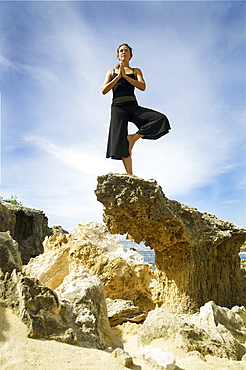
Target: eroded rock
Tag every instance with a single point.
(77, 315)
(124, 357)
(196, 253)
(27, 226)
(215, 331)
(84, 293)
(120, 310)
(10, 257)
(159, 359)
(123, 272)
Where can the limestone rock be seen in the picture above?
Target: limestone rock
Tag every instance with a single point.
(219, 334)
(27, 226)
(159, 359)
(196, 253)
(120, 310)
(234, 320)
(122, 272)
(124, 357)
(79, 317)
(10, 257)
(84, 294)
(52, 266)
(37, 305)
(56, 229)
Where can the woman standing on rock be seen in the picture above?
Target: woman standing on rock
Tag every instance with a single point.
(151, 124)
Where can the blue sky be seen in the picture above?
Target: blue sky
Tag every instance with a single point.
(53, 61)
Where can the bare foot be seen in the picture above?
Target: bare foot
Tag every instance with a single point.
(132, 140)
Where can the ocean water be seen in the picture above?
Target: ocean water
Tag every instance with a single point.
(242, 255)
(148, 253)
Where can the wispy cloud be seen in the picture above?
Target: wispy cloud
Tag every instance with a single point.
(55, 114)
(72, 157)
(41, 75)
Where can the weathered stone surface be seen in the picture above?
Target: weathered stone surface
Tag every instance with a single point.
(84, 293)
(27, 226)
(216, 331)
(57, 229)
(122, 272)
(234, 320)
(120, 310)
(159, 359)
(37, 305)
(52, 266)
(79, 317)
(196, 253)
(10, 257)
(124, 357)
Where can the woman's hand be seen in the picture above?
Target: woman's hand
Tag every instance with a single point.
(109, 81)
(122, 70)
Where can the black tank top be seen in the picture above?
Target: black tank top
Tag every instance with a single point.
(123, 91)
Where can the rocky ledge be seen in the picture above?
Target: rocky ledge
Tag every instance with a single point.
(196, 254)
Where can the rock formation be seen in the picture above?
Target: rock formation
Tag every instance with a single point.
(74, 314)
(120, 310)
(10, 257)
(27, 226)
(77, 315)
(196, 253)
(156, 358)
(216, 330)
(123, 272)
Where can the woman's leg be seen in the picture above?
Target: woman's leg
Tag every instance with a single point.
(132, 140)
(117, 139)
(128, 164)
(151, 124)
(128, 161)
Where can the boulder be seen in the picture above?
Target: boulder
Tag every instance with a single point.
(52, 266)
(27, 226)
(123, 272)
(84, 293)
(196, 254)
(234, 320)
(159, 359)
(124, 357)
(120, 310)
(78, 315)
(209, 332)
(10, 257)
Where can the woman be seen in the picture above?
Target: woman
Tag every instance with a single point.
(151, 124)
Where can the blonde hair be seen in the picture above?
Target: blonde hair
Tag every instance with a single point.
(117, 52)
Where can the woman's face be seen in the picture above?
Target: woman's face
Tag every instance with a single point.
(124, 53)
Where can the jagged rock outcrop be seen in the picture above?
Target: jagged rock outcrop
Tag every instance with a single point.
(10, 257)
(123, 272)
(77, 315)
(216, 330)
(27, 226)
(196, 253)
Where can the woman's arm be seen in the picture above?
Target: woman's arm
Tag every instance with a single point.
(109, 83)
(139, 83)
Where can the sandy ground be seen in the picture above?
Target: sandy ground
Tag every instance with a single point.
(22, 353)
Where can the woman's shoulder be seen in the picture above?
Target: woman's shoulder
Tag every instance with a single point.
(137, 70)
